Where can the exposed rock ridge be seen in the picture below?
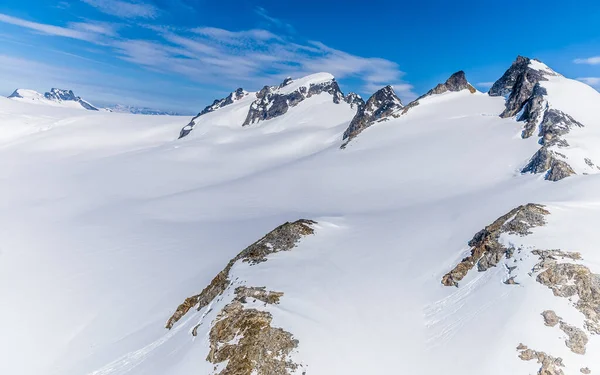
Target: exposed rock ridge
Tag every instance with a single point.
(486, 250)
(271, 102)
(456, 82)
(381, 105)
(59, 95)
(518, 83)
(576, 339)
(569, 280)
(385, 104)
(244, 341)
(217, 104)
(282, 238)
(521, 83)
(549, 365)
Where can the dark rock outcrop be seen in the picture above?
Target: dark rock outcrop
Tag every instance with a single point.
(456, 82)
(218, 103)
(379, 107)
(518, 83)
(355, 100)
(486, 250)
(547, 161)
(282, 238)
(271, 103)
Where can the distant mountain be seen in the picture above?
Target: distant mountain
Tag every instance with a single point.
(119, 108)
(56, 97)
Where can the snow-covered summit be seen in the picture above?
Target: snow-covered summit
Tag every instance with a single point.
(56, 97)
(274, 101)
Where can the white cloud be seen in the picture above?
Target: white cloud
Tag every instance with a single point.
(262, 12)
(589, 60)
(124, 9)
(74, 33)
(226, 58)
(592, 81)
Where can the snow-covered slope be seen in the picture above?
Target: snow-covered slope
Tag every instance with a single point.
(119, 108)
(55, 97)
(112, 230)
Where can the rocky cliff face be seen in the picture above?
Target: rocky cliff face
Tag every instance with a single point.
(523, 85)
(518, 83)
(273, 101)
(382, 104)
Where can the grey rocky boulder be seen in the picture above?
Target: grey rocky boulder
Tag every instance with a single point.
(379, 107)
(547, 161)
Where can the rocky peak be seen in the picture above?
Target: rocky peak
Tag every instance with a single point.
(217, 103)
(59, 94)
(379, 107)
(518, 83)
(274, 101)
(355, 100)
(286, 82)
(456, 82)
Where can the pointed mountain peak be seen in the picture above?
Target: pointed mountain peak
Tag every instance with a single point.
(274, 101)
(456, 82)
(380, 106)
(518, 82)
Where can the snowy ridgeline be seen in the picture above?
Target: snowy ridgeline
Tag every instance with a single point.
(124, 250)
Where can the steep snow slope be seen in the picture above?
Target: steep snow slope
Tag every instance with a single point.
(111, 223)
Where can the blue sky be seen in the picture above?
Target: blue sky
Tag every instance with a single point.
(181, 54)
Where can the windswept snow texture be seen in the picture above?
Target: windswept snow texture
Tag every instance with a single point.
(108, 223)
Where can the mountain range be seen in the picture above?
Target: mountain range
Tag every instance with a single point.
(301, 230)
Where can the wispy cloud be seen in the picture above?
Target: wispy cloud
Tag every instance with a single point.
(124, 9)
(77, 32)
(592, 81)
(484, 85)
(228, 58)
(589, 60)
(262, 12)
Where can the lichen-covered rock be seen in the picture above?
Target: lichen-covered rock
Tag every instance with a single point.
(549, 365)
(379, 106)
(257, 293)
(282, 238)
(574, 280)
(246, 343)
(550, 318)
(576, 338)
(218, 103)
(486, 250)
(271, 102)
(518, 83)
